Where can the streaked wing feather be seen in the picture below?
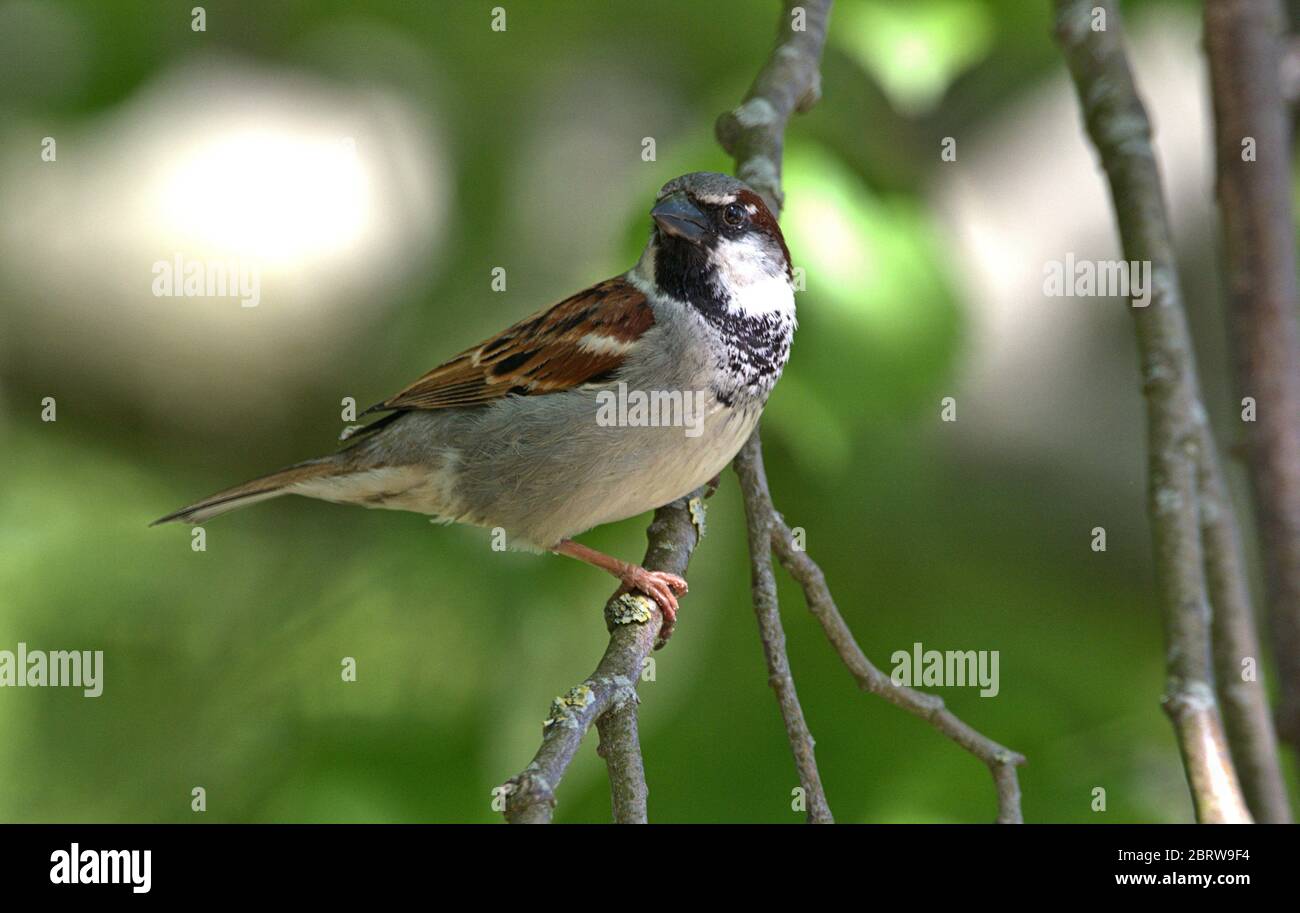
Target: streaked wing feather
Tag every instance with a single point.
(581, 339)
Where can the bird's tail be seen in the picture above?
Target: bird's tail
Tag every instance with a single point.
(260, 489)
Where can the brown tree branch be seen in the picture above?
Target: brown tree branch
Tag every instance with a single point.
(790, 81)
(759, 518)
(634, 622)
(1176, 440)
(620, 746)
(1244, 43)
(753, 133)
(1251, 738)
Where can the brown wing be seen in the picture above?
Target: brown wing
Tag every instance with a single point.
(582, 339)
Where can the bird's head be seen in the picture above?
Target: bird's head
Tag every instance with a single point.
(716, 241)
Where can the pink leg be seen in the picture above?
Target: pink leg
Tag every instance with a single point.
(658, 585)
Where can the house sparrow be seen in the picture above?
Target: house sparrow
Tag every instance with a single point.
(520, 432)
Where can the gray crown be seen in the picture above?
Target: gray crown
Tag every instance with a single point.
(705, 185)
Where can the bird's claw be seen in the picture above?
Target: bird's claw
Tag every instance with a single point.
(663, 588)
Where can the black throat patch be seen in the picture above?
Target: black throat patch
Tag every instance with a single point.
(684, 271)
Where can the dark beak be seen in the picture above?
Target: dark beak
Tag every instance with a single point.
(676, 215)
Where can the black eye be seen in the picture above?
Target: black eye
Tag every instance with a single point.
(733, 215)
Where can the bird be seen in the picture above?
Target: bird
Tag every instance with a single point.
(617, 400)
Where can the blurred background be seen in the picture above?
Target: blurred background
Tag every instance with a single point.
(378, 160)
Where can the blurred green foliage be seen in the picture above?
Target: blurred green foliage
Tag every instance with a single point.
(223, 666)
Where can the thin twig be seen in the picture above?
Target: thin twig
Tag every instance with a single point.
(1244, 43)
(754, 133)
(1251, 737)
(634, 622)
(1118, 126)
(790, 81)
(1001, 761)
(758, 519)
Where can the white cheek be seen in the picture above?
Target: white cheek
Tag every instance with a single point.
(744, 262)
(772, 295)
(753, 279)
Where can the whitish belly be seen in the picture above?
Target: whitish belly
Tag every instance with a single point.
(672, 467)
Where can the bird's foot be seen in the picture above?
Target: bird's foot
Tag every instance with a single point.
(660, 586)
